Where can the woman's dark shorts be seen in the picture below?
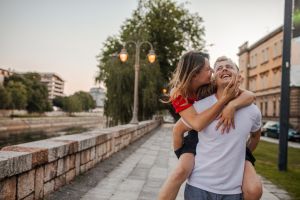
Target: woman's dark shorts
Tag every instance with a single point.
(190, 142)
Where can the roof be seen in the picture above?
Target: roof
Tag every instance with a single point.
(52, 74)
(260, 41)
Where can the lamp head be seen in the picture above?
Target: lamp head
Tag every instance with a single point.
(151, 56)
(123, 55)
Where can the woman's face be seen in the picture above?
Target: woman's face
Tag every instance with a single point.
(203, 77)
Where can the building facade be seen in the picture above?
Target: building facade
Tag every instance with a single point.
(98, 95)
(4, 73)
(260, 65)
(55, 84)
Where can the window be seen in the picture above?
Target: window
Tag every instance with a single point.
(265, 55)
(261, 108)
(275, 50)
(278, 110)
(266, 108)
(253, 60)
(274, 108)
(252, 83)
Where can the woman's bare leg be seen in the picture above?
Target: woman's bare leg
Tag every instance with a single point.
(182, 171)
(252, 186)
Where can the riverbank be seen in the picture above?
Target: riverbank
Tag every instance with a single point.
(19, 130)
(15, 125)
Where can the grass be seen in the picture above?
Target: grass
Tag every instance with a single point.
(266, 156)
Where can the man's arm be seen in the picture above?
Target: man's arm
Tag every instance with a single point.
(253, 140)
(245, 98)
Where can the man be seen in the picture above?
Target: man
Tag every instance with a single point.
(220, 158)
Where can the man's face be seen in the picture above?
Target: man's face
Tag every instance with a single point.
(224, 71)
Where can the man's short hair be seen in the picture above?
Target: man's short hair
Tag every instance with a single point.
(224, 58)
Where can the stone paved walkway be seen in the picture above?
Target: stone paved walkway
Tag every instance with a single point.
(140, 175)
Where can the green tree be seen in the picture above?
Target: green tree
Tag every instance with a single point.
(58, 102)
(5, 98)
(36, 91)
(86, 100)
(38, 94)
(18, 95)
(72, 104)
(169, 27)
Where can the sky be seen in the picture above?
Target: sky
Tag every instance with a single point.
(65, 36)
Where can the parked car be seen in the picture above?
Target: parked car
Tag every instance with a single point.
(271, 129)
(267, 125)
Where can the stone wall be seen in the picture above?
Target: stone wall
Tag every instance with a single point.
(34, 170)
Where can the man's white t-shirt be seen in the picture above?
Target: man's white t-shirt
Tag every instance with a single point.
(220, 159)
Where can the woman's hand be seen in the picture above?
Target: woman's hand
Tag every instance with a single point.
(226, 118)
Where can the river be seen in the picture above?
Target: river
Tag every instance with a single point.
(18, 138)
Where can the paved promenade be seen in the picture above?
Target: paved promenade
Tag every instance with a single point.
(136, 173)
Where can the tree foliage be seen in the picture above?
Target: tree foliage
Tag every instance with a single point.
(36, 91)
(18, 94)
(78, 102)
(169, 27)
(5, 98)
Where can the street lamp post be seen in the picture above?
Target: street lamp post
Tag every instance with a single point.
(123, 57)
(285, 86)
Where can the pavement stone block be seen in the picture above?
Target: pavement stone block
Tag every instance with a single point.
(131, 185)
(158, 172)
(12, 163)
(8, 189)
(125, 195)
(26, 184)
(39, 183)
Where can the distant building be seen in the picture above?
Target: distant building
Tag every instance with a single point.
(55, 84)
(260, 65)
(4, 73)
(98, 95)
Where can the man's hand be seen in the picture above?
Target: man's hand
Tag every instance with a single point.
(253, 140)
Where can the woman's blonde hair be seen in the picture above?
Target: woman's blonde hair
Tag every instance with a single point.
(190, 64)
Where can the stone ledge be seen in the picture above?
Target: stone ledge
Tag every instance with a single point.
(12, 163)
(54, 162)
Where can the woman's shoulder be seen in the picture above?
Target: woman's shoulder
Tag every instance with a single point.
(181, 103)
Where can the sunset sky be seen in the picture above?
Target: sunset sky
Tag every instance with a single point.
(64, 36)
